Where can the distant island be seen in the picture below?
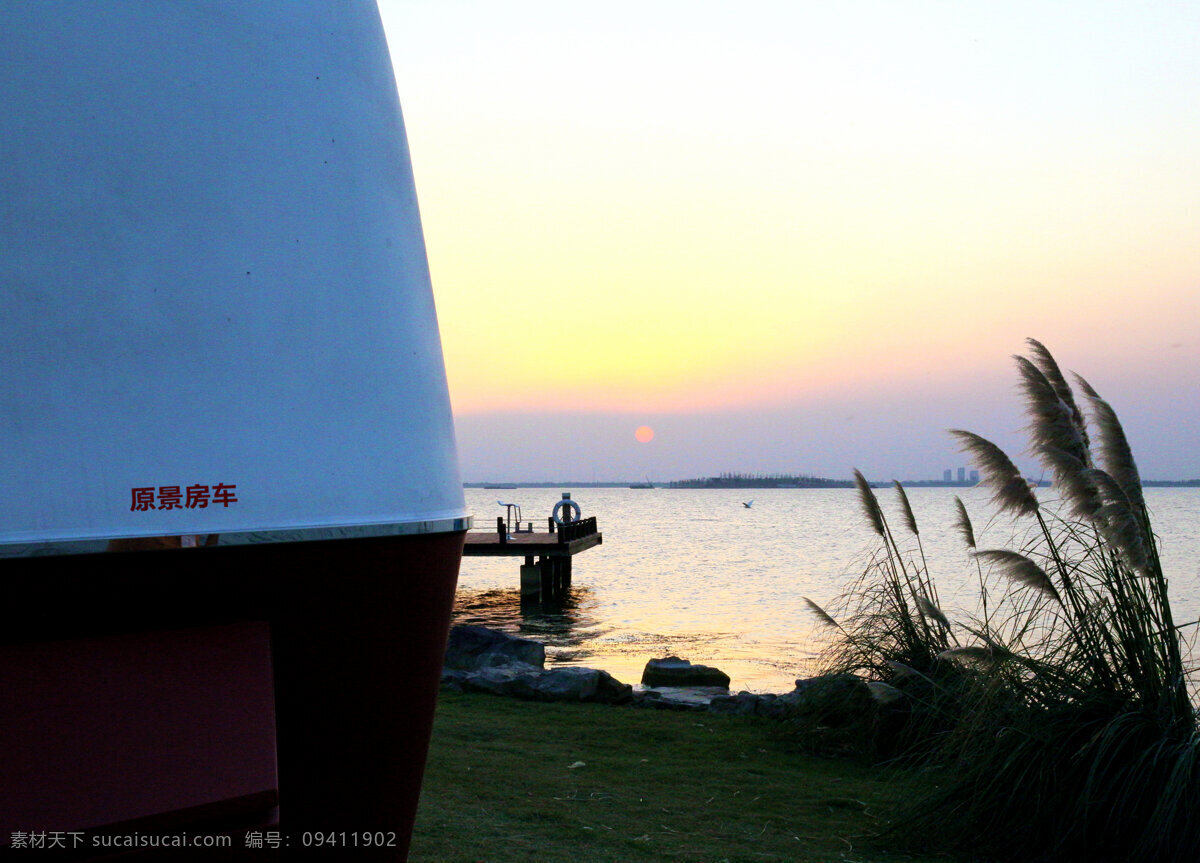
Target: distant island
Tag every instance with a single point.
(560, 484)
(747, 481)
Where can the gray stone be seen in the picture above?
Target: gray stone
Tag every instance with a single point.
(512, 681)
(581, 684)
(835, 699)
(506, 659)
(742, 704)
(642, 697)
(779, 706)
(655, 700)
(454, 679)
(832, 686)
(518, 680)
(673, 671)
(473, 647)
(685, 697)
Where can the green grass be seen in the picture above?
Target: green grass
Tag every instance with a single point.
(653, 785)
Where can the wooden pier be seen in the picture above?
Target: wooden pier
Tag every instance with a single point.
(549, 578)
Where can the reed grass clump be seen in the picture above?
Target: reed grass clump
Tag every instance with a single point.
(889, 629)
(1059, 715)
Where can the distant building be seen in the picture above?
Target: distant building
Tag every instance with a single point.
(975, 477)
(962, 474)
(947, 474)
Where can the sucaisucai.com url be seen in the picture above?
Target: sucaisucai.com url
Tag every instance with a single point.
(169, 840)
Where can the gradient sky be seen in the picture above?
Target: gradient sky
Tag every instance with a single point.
(801, 237)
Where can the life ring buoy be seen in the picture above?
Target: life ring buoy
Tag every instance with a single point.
(565, 502)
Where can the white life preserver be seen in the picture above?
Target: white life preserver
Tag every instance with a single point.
(566, 502)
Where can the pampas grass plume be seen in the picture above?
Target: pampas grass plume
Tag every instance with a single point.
(883, 692)
(931, 611)
(870, 503)
(1115, 453)
(972, 652)
(1009, 489)
(821, 614)
(962, 523)
(1117, 521)
(910, 520)
(1053, 425)
(1045, 362)
(1020, 569)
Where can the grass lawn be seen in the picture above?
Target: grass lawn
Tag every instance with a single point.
(511, 780)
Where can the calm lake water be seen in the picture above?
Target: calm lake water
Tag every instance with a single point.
(696, 574)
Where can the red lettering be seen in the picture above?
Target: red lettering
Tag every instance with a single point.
(197, 497)
(223, 494)
(169, 497)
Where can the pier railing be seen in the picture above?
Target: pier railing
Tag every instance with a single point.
(573, 530)
(563, 533)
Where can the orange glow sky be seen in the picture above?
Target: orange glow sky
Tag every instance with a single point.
(801, 236)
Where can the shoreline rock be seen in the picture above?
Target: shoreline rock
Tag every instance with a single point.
(479, 659)
(474, 647)
(673, 671)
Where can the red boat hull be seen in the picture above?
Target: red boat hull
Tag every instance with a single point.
(158, 690)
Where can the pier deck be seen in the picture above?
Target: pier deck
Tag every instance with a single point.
(488, 544)
(550, 577)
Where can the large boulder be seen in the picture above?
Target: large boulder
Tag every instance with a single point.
(780, 706)
(673, 671)
(835, 700)
(473, 647)
(519, 680)
(655, 700)
(515, 681)
(742, 704)
(455, 679)
(581, 684)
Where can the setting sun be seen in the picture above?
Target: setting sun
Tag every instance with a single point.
(644, 434)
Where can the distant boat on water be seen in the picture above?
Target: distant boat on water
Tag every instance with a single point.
(646, 484)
